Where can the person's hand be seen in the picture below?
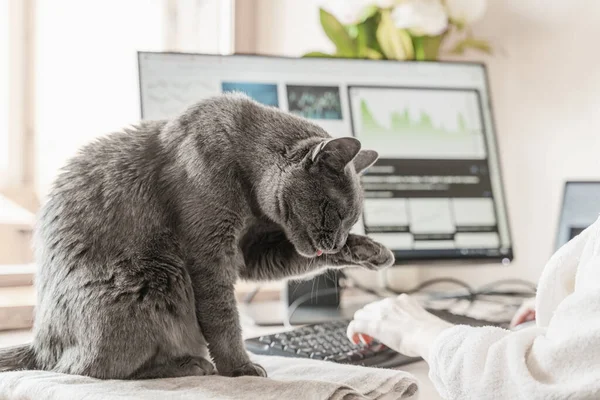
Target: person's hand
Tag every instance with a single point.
(400, 323)
(525, 313)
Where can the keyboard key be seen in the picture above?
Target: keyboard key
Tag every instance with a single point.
(289, 349)
(306, 349)
(317, 356)
(302, 354)
(265, 339)
(276, 346)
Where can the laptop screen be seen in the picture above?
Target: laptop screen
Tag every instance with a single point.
(580, 209)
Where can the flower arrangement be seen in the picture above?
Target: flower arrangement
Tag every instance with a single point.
(400, 29)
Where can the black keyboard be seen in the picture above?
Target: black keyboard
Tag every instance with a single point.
(328, 341)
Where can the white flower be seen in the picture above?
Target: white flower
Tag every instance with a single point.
(346, 11)
(384, 3)
(466, 11)
(421, 17)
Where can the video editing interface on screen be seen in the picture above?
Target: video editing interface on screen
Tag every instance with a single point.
(436, 189)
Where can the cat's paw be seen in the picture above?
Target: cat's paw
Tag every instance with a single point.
(203, 366)
(249, 369)
(367, 253)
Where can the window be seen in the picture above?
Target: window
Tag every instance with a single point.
(4, 92)
(86, 73)
(73, 77)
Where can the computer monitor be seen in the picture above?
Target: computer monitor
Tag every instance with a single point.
(580, 208)
(436, 191)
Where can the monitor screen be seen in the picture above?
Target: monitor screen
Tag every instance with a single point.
(580, 209)
(436, 191)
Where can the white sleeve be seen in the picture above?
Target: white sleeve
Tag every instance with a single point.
(558, 277)
(558, 361)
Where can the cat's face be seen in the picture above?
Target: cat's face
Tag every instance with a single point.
(321, 199)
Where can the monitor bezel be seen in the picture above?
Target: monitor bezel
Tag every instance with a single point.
(504, 259)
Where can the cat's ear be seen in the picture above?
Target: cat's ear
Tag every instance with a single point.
(364, 159)
(337, 153)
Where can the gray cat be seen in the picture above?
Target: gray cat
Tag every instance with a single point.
(146, 231)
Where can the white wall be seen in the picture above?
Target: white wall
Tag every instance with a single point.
(545, 84)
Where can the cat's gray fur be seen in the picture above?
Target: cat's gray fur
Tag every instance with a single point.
(146, 231)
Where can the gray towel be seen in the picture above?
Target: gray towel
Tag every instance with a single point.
(288, 379)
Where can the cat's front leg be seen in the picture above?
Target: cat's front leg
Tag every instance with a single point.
(363, 252)
(216, 310)
(270, 256)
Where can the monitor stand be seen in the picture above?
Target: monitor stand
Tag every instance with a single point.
(314, 301)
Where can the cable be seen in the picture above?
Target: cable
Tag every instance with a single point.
(303, 299)
(251, 295)
(356, 285)
(435, 281)
(515, 281)
(471, 294)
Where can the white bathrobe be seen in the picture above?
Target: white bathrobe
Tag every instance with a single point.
(557, 359)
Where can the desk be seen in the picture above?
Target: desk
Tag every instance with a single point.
(419, 369)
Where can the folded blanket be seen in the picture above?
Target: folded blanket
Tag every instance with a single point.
(288, 379)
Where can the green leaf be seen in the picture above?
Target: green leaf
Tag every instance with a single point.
(427, 47)
(336, 32)
(352, 30)
(460, 25)
(367, 34)
(471, 43)
(371, 54)
(393, 41)
(319, 54)
(407, 43)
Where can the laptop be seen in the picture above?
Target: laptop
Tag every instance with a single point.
(580, 209)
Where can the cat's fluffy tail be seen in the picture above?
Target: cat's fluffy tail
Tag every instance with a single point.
(17, 357)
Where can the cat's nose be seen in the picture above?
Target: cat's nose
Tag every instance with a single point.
(333, 244)
(328, 248)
